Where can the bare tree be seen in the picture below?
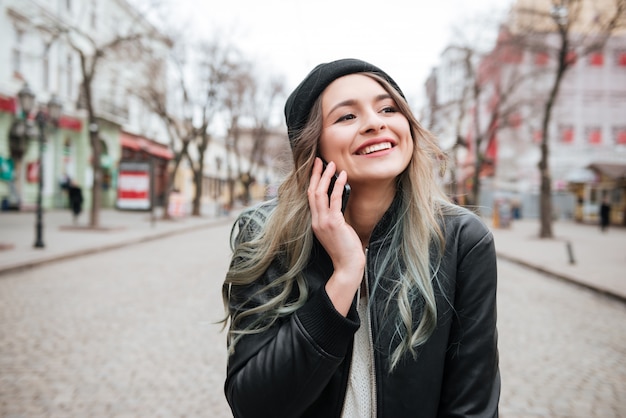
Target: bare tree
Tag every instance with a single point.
(237, 107)
(486, 98)
(90, 58)
(263, 98)
(188, 107)
(179, 129)
(217, 64)
(567, 30)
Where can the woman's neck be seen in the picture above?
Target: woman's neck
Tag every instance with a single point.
(366, 207)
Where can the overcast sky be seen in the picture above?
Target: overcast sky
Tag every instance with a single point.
(290, 37)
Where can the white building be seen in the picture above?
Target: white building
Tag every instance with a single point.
(42, 43)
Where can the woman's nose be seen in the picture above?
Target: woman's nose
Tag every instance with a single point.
(372, 121)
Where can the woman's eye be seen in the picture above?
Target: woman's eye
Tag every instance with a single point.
(346, 117)
(389, 109)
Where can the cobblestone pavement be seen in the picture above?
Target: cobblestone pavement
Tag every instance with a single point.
(562, 348)
(124, 333)
(131, 333)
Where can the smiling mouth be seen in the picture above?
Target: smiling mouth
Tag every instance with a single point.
(375, 148)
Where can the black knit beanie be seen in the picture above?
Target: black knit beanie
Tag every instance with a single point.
(299, 103)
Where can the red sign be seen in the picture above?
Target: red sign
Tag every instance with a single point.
(32, 172)
(7, 104)
(133, 186)
(71, 124)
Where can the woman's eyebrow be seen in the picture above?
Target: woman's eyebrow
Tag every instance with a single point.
(352, 102)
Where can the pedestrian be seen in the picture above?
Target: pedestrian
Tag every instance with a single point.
(387, 309)
(75, 197)
(605, 214)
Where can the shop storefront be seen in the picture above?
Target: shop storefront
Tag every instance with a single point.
(602, 181)
(63, 150)
(139, 149)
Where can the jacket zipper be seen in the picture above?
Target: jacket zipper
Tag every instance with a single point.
(370, 335)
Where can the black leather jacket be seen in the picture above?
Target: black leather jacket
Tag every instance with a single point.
(299, 367)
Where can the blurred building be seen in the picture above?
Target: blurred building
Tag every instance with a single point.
(587, 133)
(255, 170)
(45, 45)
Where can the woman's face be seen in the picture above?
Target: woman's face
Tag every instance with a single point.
(363, 131)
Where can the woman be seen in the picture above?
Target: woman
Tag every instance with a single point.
(605, 214)
(386, 310)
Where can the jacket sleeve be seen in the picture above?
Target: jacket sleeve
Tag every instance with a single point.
(472, 378)
(281, 371)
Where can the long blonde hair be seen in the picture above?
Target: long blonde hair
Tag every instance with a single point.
(286, 236)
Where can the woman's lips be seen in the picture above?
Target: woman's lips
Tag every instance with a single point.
(374, 148)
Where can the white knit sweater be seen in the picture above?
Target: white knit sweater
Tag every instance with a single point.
(359, 402)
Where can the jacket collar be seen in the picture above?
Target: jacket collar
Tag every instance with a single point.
(388, 220)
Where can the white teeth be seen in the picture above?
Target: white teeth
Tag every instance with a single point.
(375, 147)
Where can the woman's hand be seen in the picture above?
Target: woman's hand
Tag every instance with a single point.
(338, 238)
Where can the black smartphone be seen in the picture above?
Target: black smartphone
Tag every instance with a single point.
(346, 188)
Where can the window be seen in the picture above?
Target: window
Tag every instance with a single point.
(515, 120)
(566, 134)
(593, 135)
(571, 57)
(16, 54)
(620, 58)
(596, 59)
(511, 54)
(619, 135)
(541, 58)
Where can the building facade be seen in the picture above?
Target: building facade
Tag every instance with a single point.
(49, 45)
(586, 132)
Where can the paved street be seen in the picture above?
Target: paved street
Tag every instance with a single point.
(562, 348)
(123, 333)
(130, 333)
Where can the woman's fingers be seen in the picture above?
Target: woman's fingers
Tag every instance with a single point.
(336, 197)
(315, 174)
(322, 179)
(319, 184)
(329, 225)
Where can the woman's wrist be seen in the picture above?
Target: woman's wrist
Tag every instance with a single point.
(341, 288)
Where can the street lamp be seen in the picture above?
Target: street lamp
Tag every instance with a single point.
(27, 104)
(27, 100)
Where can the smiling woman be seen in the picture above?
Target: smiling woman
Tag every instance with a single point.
(387, 309)
(365, 135)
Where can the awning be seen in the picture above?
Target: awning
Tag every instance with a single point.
(127, 141)
(139, 143)
(613, 171)
(70, 123)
